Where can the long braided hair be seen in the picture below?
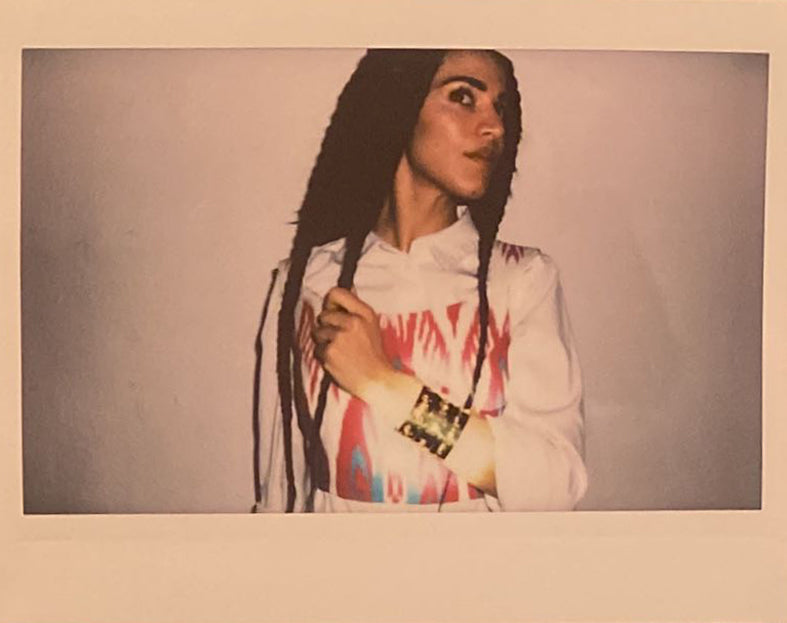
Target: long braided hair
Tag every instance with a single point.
(353, 175)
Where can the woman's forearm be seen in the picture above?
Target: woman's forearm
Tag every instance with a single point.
(472, 456)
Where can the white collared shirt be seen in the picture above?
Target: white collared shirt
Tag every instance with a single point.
(530, 390)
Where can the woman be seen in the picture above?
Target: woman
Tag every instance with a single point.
(425, 365)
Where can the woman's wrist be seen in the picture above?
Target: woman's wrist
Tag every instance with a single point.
(393, 395)
(434, 423)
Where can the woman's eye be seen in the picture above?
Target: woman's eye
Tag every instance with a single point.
(463, 96)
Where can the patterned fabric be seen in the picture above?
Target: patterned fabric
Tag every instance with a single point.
(427, 303)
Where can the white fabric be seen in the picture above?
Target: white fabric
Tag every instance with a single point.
(530, 389)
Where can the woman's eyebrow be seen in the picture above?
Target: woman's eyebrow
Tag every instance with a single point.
(478, 84)
(475, 82)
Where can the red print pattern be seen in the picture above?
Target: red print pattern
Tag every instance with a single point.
(511, 252)
(310, 365)
(401, 333)
(353, 462)
(498, 341)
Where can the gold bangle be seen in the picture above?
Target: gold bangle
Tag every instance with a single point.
(434, 423)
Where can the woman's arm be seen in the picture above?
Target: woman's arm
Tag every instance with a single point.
(539, 436)
(349, 345)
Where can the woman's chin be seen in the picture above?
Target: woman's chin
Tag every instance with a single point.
(470, 193)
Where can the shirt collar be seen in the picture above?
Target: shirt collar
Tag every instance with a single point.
(446, 246)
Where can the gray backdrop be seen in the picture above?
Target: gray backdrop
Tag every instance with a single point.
(156, 188)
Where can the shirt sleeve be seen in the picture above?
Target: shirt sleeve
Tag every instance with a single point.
(272, 469)
(539, 439)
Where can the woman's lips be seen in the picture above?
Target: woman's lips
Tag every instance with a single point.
(488, 154)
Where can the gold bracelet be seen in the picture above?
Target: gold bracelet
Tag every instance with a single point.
(434, 423)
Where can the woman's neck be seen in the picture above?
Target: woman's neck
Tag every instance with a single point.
(414, 208)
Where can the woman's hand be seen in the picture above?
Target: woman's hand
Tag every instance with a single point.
(349, 345)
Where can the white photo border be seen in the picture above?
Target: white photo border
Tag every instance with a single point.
(658, 566)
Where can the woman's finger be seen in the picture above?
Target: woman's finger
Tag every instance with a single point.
(341, 298)
(319, 351)
(337, 319)
(330, 301)
(324, 335)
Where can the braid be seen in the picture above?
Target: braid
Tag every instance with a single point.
(320, 469)
(255, 420)
(488, 212)
(284, 343)
(485, 245)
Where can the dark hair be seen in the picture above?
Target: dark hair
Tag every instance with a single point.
(369, 131)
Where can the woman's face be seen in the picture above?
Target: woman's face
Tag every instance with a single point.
(458, 137)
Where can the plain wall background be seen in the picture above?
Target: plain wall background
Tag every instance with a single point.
(156, 189)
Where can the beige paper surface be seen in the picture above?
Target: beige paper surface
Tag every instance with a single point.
(655, 566)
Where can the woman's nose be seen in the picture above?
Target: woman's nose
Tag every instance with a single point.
(491, 123)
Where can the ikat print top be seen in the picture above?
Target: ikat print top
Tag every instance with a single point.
(530, 387)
